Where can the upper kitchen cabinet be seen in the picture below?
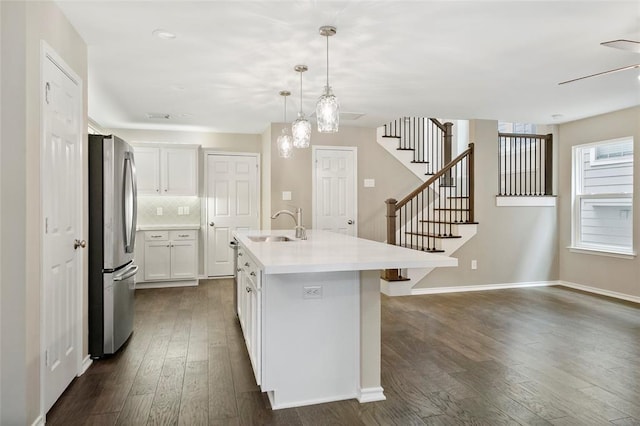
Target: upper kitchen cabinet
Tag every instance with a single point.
(167, 169)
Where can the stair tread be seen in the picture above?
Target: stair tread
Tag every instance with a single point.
(405, 149)
(448, 223)
(422, 234)
(459, 197)
(451, 210)
(409, 246)
(420, 162)
(391, 137)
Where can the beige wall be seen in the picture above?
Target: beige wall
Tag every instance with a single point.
(602, 272)
(513, 244)
(295, 175)
(232, 142)
(24, 25)
(265, 179)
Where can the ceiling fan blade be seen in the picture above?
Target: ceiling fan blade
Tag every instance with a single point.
(630, 45)
(602, 73)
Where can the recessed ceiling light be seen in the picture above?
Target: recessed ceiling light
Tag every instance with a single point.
(163, 34)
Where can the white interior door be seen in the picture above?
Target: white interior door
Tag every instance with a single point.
(62, 208)
(232, 204)
(335, 192)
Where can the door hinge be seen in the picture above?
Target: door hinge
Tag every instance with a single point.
(46, 225)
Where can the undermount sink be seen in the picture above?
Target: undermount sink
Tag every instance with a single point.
(269, 238)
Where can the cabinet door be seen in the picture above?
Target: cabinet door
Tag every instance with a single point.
(183, 259)
(147, 161)
(138, 256)
(254, 338)
(157, 260)
(180, 171)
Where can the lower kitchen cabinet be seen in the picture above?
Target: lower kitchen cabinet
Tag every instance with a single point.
(170, 257)
(250, 309)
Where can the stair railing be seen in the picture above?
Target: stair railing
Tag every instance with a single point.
(525, 164)
(429, 212)
(428, 138)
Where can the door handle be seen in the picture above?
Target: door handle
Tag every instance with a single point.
(79, 243)
(350, 222)
(212, 224)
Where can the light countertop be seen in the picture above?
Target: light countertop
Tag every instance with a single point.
(165, 227)
(325, 251)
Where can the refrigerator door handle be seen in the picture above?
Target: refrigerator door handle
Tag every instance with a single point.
(128, 273)
(129, 195)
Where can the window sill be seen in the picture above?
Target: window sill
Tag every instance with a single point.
(526, 201)
(597, 252)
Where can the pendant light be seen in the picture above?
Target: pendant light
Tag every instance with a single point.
(327, 108)
(284, 141)
(301, 128)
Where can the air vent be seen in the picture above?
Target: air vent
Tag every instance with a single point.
(158, 116)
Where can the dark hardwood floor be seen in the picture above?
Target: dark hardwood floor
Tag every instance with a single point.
(536, 356)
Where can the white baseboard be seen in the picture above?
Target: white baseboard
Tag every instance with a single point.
(371, 394)
(39, 421)
(481, 287)
(166, 284)
(600, 291)
(86, 363)
(302, 403)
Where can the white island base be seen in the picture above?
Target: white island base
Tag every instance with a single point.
(310, 313)
(323, 340)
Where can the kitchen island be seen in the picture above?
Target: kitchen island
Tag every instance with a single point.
(310, 312)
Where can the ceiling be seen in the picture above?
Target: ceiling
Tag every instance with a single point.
(450, 59)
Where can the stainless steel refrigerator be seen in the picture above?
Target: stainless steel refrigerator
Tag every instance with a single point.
(112, 234)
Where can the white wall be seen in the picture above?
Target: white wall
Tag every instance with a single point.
(24, 25)
(513, 244)
(601, 272)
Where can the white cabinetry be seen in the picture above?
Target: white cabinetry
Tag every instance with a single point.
(167, 170)
(169, 258)
(250, 309)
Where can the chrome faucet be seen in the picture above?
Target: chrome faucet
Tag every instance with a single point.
(300, 231)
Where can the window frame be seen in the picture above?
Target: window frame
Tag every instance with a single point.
(577, 197)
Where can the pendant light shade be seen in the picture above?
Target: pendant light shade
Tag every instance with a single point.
(328, 107)
(285, 141)
(301, 128)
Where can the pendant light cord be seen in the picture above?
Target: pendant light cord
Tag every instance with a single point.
(285, 110)
(327, 60)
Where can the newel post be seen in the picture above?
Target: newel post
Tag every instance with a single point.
(471, 179)
(447, 150)
(391, 274)
(548, 165)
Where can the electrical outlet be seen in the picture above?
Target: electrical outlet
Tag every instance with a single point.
(180, 211)
(474, 264)
(312, 292)
(159, 211)
(186, 209)
(286, 195)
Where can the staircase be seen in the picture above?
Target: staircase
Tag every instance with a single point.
(438, 216)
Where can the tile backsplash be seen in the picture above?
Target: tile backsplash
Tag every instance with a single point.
(171, 207)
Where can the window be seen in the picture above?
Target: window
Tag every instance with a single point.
(602, 196)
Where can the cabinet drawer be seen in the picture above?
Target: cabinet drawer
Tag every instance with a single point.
(182, 235)
(156, 235)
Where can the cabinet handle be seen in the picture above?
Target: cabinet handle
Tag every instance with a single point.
(253, 274)
(212, 224)
(156, 236)
(246, 264)
(350, 222)
(239, 269)
(183, 235)
(168, 245)
(239, 253)
(248, 289)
